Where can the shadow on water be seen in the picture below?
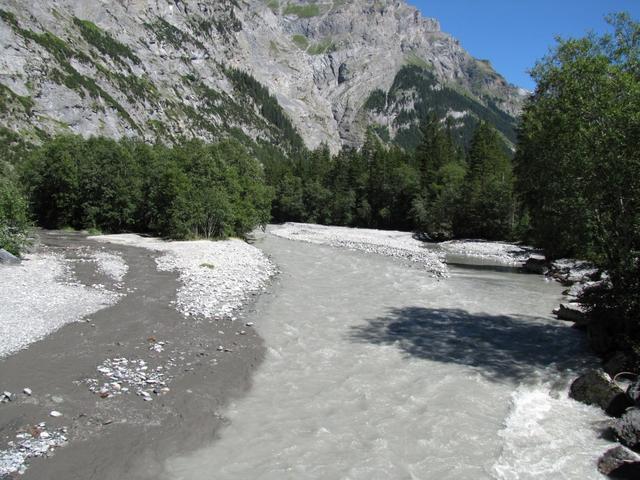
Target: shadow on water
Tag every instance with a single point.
(500, 347)
(486, 267)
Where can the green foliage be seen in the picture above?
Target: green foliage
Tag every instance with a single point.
(268, 105)
(301, 41)
(486, 208)
(441, 171)
(104, 42)
(416, 82)
(377, 101)
(327, 45)
(14, 219)
(192, 190)
(578, 162)
(274, 5)
(171, 34)
(67, 75)
(302, 11)
(8, 99)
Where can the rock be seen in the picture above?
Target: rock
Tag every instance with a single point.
(596, 388)
(627, 428)
(633, 392)
(7, 258)
(343, 73)
(27, 391)
(536, 264)
(620, 462)
(572, 312)
(55, 413)
(6, 397)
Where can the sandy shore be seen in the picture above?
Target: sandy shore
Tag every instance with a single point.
(203, 362)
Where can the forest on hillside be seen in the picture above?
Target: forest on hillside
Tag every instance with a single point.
(572, 188)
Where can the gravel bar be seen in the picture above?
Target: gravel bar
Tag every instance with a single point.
(216, 277)
(381, 242)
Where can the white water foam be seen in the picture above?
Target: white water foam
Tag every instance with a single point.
(549, 436)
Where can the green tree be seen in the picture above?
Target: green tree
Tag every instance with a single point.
(441, 170)
(486, 206)
(14, 219)
(578, 162)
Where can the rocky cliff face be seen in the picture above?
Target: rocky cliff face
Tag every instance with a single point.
(163, 69)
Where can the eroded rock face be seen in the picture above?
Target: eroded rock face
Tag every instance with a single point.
(165, 78)
(596, 388)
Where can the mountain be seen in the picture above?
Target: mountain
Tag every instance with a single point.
(280, 72)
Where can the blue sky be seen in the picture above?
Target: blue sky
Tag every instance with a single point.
(513, 34)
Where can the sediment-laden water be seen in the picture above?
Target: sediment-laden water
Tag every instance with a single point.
(376, 370)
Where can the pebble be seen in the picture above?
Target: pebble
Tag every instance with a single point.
(124, 375)
(27, 391)
(387, 243)
(6, 397)
(241, 270)
(35, 442)
(55, 413)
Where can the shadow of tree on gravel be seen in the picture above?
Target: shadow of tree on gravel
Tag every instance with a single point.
(500, 347)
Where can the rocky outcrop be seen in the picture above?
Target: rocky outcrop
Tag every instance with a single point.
(620, 462)
(633, 392)
(572, 312)
(597, 388)
(157, 69)
(627, 428)
(536, 264)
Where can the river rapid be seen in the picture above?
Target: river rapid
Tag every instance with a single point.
(376, 370)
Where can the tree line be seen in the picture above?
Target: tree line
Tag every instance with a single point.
(192, 190)
(439, 190)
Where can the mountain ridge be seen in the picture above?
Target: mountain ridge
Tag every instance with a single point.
(160, 69)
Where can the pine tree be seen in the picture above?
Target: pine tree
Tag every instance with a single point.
(486, 207)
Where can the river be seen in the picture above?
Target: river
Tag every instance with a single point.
(376, 370)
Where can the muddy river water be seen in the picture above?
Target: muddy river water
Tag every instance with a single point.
(376, 370)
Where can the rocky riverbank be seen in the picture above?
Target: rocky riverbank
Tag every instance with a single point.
(615, 388)
(139, 379)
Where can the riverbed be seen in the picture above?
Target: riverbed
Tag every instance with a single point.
(376, 369)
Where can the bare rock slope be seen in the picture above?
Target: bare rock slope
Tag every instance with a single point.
(161, 69)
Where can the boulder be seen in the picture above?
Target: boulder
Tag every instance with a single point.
(633, 392)
(8, 259)
(627, 428)
(572, 312)
(596, 388)
(620, 462)
(536, 264)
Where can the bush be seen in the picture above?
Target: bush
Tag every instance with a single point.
(14, 220)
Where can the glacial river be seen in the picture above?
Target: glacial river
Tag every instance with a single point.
(375, 370)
